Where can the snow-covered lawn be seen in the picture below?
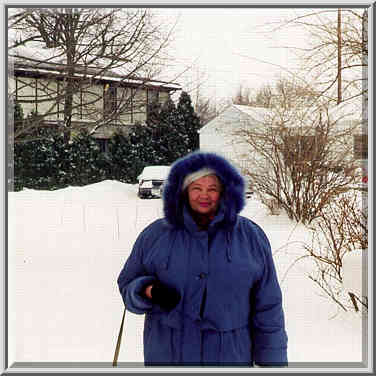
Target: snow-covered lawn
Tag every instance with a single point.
(67, 247)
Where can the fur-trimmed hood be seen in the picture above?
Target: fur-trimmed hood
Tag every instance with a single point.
(232, 200)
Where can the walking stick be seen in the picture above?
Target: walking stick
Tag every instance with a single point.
(117, 349)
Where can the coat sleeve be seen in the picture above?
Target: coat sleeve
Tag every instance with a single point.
(133, 279)
(267, 320)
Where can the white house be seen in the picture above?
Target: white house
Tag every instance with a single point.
(220, 134)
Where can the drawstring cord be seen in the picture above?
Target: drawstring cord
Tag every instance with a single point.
(167, 262)
(228, 246)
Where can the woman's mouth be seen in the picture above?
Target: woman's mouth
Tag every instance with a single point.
(204, 204)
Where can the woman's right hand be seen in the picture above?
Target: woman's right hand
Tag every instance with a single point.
(148, 291)
(166, 297)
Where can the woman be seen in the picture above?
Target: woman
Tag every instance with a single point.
(204, 275)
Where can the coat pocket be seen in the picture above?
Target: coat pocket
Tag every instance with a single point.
(161, 344)
(237, 347)
(244, 343)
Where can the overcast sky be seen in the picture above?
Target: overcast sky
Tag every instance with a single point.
(229, 47)
(232, 47)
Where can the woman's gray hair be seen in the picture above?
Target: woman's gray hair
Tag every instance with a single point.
(190, 178)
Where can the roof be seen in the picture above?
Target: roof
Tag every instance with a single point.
(154, 172)
(52, 61)
(348, 110)
(345, 112)
(258, 114)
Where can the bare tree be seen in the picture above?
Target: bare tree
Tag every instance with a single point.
(85, 44)
(342, 227)
(335, 51)
(264, 97)
(300, 159)
(242, 96)
(207, 109)
(286, 93)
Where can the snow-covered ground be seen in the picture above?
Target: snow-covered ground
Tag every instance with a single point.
(67, 247)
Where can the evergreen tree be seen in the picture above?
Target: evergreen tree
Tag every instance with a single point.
(153, 112)
(18, 118)
(173, 139)
(18, 112)
(167, 115)
(189, 121)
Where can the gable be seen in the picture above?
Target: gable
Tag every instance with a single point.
(234, 117)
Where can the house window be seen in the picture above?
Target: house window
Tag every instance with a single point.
(109, 100)
(153, 96)
(153, 105)
(139, 104)
(26, 93)
(103, 144)
(361, 146)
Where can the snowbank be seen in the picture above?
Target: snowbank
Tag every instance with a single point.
(354, 272)
(66, 250)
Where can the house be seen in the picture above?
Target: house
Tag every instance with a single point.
(103, 101)
(221, 134)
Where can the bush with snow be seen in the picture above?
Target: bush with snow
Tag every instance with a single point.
(340, 231)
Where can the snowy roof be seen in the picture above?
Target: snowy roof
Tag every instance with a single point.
(346, 110)
(256, 113)
(52, 60)
(154, 172)
(349, 110)
(343, 113)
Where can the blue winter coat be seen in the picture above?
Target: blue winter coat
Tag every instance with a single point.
(230, 311)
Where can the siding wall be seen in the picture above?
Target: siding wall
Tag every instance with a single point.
(124, 95)
(42, 95)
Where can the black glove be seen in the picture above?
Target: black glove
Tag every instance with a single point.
(166, 297)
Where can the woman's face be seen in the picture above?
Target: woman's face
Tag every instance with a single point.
(204, 194)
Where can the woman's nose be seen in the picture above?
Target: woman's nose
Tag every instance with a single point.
(204, 193)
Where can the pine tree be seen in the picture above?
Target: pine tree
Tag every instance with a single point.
(153, 113)
(18, 112)
(169, 133)
(18, 118)
(189, 121)
(169, 139)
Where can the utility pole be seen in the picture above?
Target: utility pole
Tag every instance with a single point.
(339, 74)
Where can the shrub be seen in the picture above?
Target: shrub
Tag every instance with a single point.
(341, 228)
(300, 160)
